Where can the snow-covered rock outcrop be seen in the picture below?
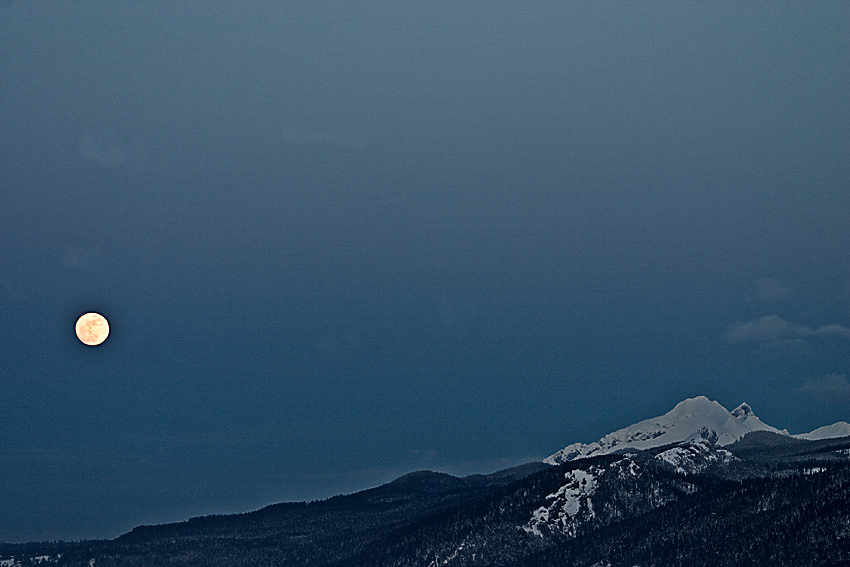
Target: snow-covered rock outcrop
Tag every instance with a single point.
(694, 457)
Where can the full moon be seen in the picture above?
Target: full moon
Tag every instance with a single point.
(92, 329)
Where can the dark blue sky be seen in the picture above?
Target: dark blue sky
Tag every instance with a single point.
(340, 242)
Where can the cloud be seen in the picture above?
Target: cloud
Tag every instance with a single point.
(832, 331)
(772, 332)
(107, 148)
(832, 388)
(764, 329)
(769, 290)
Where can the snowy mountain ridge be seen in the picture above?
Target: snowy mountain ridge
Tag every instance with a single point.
(693, 419)
(838, 429)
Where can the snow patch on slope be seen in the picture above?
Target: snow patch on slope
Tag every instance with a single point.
(576, 503)
(570, 503)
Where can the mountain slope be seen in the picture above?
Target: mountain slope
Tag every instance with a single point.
(799, 521)
(766, 447)
(691, 504)
(693, 418)
(767, 499)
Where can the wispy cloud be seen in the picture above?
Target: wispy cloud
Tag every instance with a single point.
(832, 331)
(765, 329)
(831, 388)
(773, 331)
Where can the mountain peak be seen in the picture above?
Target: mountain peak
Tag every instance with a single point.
(697, 418)
(742, 411)
(699, 405)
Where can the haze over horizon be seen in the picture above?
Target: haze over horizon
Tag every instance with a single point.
(340, 242)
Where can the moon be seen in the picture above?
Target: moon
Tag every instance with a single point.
(92, 329)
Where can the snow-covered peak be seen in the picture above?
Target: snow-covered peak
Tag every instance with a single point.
(839, 429)
(692, 419)
(742, 411)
